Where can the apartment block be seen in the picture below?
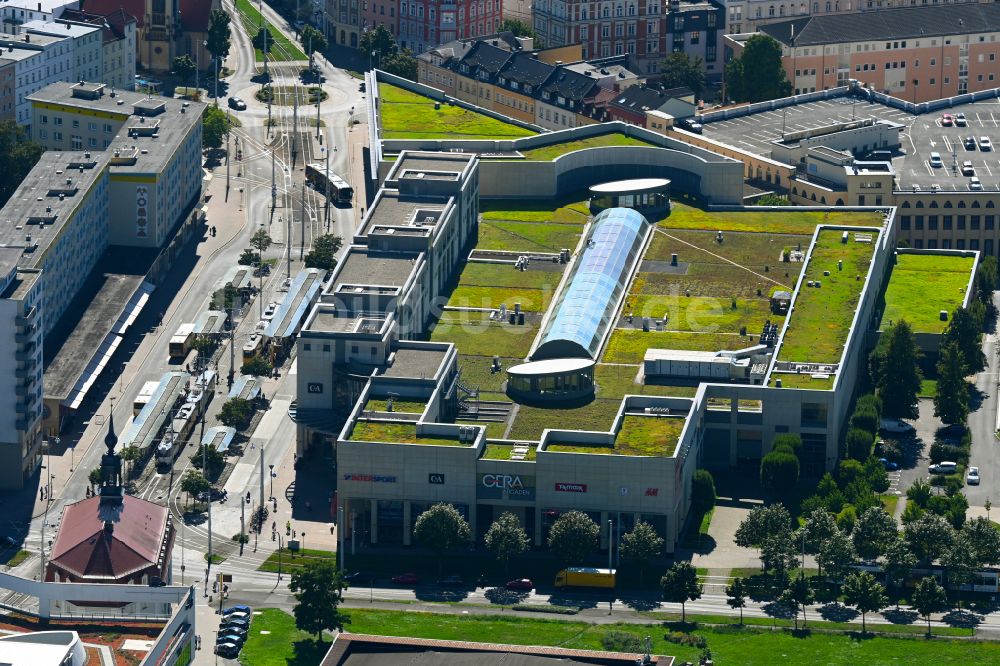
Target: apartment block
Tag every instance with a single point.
(8, 89)
(748, 15)
(86, 44)
(15, 13)
(118, 33)
(38, 61)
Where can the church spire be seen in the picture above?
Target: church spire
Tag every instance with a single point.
(111, 465)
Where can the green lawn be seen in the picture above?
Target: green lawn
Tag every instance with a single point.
(397, 433)
(550, 152)
(282, 50)
(802, 380)
(729, 645)
(503, 452)
(531, 421)
(477, 369)
(788, 221)
(701, 314)
(630, 345)
(291, 561)
(570, 212)
(616, 381)
(528, 236)
(639, 436)
(18, 557)
(408, 406)
(928, 388)
(505, 275)
(477, 296)
(821, 317)
(889, 502)
(273, 640)
(474, 334)
(921, 285)
(698, 530)
(408, 115)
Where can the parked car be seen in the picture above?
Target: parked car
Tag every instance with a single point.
(690, 124)
(269, 310)
(968, 169)
(943, 467)
(233, 630)
(241, 623)
(237, 615)
(228, 637)
(960, 120)
(972, 478)
(947, 120)
(975, 184)
(888, 464)
(451, 581)
(212, 495)
(8, 541)
(985, 143)
(360, 578)
(237, 104)
(935, 160)
(227, 650)
(895, 426)
(406, 579)
(970, 142)
(520, 585)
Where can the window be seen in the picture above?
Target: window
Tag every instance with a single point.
(326, 348)
(76, 124)
(695, 36)
(904, 222)
(45, 120)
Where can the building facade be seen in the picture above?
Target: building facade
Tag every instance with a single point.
(15, 13)
(8, 89)
(118, 32)
(749, 15)
(86, 44)
(38, 61)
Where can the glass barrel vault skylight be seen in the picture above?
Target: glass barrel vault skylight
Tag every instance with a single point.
(586, 307)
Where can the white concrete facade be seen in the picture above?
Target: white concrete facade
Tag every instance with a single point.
(86, 43)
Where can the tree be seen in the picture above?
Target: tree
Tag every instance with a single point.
(960, 561)
(984, 539)
(737, 595)
(865, 418)
(772, 200)
(778, 555)
(257, 366)
(211, 455)
(263, 40)
(817, 529)
(951, 399)
(441, 528)
(18, 155)
(401, 63)
(899, 561)
(798, 595)
(519, 28)
(762, 521)
(641, 544)
(573, 536)
(897, 373)
(680, 585)
(929, 537)
(183, 66)
(966, 331)
(236, 413)
(874, 474)
(378, 43)
(757, 74)
(214, 125)
(130, 454)
(873, 533)
(681, 70)
(506, 538)
(95, 477)
(194, 482)
(836, 555)
(219, 34)
(323, 254)
(929, 597)
(319, 590)
(859, 443)
(862, 591)
(247, 258)
(919, 493)
(987, 279)
(779, 472)
(702, 492)
(260, 241)
(312, 41)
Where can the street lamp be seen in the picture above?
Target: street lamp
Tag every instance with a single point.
(272, 481)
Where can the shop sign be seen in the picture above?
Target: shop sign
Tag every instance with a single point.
(314, 387)
(571, 487)
(519, 487)
(370, 478)
(141, 211)
(652, 492)
(435, 479)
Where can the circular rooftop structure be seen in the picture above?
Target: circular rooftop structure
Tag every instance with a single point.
(649, 196)
(555, 379)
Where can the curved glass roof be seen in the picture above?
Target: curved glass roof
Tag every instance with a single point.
(587, 305)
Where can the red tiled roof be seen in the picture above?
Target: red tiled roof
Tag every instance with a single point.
(136, 8)
(195, 14)
(84, 548)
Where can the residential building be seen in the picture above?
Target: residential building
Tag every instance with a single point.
(915, 53)
(15, 13)
(86, 42)
(8, 89)
(427, 23)
(38, 61)
(118, 31)
(634, 105)
(518, 84)
(113, 538)
(155, 152)
(695, 28)
(749, 15)
(380, 12)
(566, 98)
(343, 22)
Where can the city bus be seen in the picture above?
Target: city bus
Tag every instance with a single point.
(337, 189)
(145, 395)
(180, 343)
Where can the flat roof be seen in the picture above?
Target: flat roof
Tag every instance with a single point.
(365, 267)
(447, 162)
(415, 363)
(650, 436)
(921, 286)
(551, 366)
(394, 209)
(36, 208)
(97, 320)
(330, 320)
(61, 29)
(627, 186)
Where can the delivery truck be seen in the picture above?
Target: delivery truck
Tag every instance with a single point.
(586, 577)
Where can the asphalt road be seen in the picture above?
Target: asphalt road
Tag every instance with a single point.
(982, 423)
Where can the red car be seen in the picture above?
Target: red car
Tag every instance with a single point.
(947, 120)
(522, 584)
(406, 579)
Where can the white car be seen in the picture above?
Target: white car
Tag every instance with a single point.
(960, 120)
(975, 184)
(972, 478)
(943, 467)
(984, 143)
(935, 160)
(968, 169)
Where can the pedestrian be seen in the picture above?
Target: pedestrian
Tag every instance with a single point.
(611, 605)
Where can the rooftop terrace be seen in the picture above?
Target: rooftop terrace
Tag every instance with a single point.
(821, 315)
(651, 436)
(408, 115)
(397, 433)
(552, 151)
(922, 285)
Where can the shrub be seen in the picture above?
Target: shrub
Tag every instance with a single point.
(702, 491)
(941, 451)
(859, 443)
(687, 640)
(869, 401)
(622, 641)
(847, 518)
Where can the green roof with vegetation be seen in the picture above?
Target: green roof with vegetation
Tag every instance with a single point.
(504, 452)
(397, 433)
(922, 285)
(409, 115)
(654, 436)
(789, 220)
(803, 380)
(552, 151)
(821, 316)
(407, 406)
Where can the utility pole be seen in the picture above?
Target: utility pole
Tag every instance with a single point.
(319, 102)
(267, 77)
(274, 187)
(204, 467)
(228, 155)
(232, 343)
(295, 121)
(242, 523)
(270, 94)
(302, 241)
(326, 205)
(261, 484)
(288, 244)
